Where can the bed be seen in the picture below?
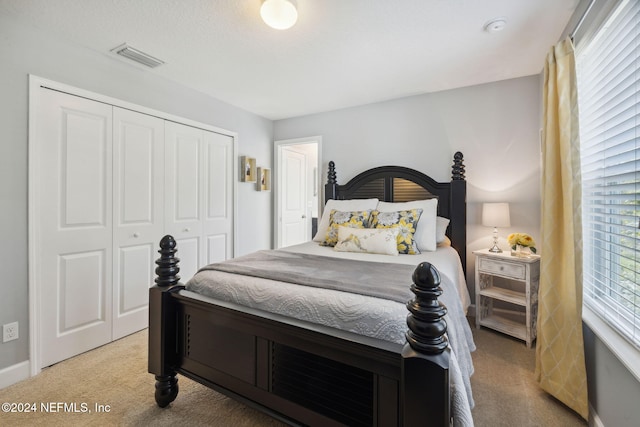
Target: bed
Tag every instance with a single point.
(291, 358)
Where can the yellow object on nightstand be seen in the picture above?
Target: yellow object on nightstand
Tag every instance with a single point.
(513, 280)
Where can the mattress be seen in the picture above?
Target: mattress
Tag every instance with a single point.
(365, 315)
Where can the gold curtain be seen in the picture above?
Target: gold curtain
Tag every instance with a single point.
(560, 365)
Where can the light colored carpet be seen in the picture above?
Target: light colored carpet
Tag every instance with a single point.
(116, 375)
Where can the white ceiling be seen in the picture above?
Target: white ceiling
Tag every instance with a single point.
(340, 53)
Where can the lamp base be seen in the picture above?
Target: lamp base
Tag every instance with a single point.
(495, 249)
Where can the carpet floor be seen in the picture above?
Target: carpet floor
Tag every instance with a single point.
(110, 386)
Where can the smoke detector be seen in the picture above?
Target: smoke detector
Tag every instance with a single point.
(495, 25)
(137, 56)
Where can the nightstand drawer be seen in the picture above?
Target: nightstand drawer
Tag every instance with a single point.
(502, 268)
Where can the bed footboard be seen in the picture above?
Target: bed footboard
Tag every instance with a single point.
(299, 372)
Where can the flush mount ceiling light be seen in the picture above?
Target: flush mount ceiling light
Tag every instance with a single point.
(279, 14)
(495, 25)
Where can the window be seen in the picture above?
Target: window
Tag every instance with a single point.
(608, 68)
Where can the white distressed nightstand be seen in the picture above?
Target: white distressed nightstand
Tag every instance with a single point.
(518, 287)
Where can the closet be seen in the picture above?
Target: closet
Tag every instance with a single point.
(106, 184)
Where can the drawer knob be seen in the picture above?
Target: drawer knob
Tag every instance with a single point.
(501, 267)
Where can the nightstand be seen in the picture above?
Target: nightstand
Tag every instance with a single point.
(517, 285)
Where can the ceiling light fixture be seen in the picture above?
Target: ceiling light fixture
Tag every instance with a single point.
(279, 14)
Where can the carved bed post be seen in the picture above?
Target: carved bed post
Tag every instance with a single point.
(330, 188)
(162, 323)
(425, 358)
(458, 210)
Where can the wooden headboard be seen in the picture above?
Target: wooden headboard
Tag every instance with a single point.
(401, 184)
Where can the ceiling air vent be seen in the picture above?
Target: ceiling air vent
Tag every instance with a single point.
(137, 55)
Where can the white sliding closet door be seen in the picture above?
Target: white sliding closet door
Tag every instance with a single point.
(74, 183)
(138, 153)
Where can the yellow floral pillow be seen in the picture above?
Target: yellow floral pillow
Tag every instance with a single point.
(407, 222)
(357, 219)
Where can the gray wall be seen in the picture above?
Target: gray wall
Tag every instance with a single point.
(614, 392)
(495, 125)
(25, 50)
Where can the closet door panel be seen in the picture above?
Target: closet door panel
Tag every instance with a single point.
(138, 145)
(218, 196)
(73, 175)
(183, 188)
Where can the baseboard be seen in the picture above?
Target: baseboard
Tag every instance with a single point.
(594, 419)
(14, 374)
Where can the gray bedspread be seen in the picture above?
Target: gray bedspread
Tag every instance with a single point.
(374, 279)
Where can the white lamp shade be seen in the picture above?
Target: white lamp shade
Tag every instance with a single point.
(495, 215)
(279, 14)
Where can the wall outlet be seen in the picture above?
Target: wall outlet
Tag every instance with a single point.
(10, 332)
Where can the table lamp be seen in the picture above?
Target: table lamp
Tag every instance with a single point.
(495, 215)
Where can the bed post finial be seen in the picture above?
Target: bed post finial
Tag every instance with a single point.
(167, 265)
(426, 356)
(331, 174)
(457, 170)
(427, 327)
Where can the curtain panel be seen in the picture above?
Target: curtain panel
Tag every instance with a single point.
(560, 364)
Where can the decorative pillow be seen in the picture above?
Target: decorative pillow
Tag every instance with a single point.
(441, 229)
(446, 242)
(370, 240)
(357, 219)
(425, 234)
(344, 206)
(406, 221)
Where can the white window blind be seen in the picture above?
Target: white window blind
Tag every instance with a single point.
(608, 69)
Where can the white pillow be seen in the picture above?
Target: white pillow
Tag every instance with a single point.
(341, 205)
(425, 234)
(369, 240)
(441, 229)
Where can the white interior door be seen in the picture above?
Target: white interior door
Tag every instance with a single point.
(217, 165)
(138, 152)
(294, 213)
(74, 184)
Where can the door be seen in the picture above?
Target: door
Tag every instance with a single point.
(217, 166)
(294, 223)
(183, 213)
(100, 180)
(138, 221)
(74, 183)
(198, 195)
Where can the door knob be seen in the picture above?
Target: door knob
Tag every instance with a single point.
(304, 216)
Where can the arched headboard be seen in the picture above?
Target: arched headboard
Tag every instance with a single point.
(401, 184)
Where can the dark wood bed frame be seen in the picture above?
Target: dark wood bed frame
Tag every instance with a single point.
(308, 374)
